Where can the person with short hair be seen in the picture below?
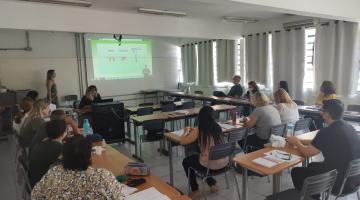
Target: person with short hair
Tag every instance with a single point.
(26, 104)
(287, 108)
(75, 178)
(327, 91)
(338, 143)
(33, 94)
(47, 152)
(263, 118)
(236, 90)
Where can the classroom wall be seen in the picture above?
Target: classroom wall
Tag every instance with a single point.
(27, 70)
(40, 16)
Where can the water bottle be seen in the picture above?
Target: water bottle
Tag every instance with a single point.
(86, 127)
(290, 128)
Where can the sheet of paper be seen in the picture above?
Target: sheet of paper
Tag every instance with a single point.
(264, 162)
(179, 132)
(226, 126)
(150, 193)
(126, 190)
(279, 156)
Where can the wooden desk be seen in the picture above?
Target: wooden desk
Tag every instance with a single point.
(171, 137)
(313, 110)
(170, 116)
(246, 162)
(114, 161)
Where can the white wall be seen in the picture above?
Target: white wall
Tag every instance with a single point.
(37, 16)
(27, 70)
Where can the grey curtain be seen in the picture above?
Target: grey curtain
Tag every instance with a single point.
(225, 59)
(189, 63)
(205, 63)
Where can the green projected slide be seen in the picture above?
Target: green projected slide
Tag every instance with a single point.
(132, 59)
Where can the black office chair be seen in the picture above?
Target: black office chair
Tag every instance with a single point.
(299, 102)
(76, 104)
(302, 125)
(153, 131)
(353, 171)
(187, 105)
(353, 108)
(219, 94)
(146, 104)
(314, 185)
(145, 111)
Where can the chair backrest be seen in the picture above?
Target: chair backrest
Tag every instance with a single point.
(302, 125)
(188, 105)
(319, 184)
(76, 104)
(237, 135)
(219, 94)
(198, 92)
(145, 111)
(352, 171)
(353, 108)
(299, 102)
(72, 97)
(146, 104)
(168, 107)
(279, 130)
(154, 126)
(221, 151)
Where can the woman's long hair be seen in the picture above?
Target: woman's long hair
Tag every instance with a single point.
(255, 87)
(208, 127)
(35, 113)
(281, 96)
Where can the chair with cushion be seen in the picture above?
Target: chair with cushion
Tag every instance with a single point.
(217, 152)
(153, 132)
(302, 125)
(353, 108)
(314, 185)
(145, 111)
(353, 171)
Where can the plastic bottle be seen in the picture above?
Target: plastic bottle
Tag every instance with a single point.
(290, 128)
(86, 127)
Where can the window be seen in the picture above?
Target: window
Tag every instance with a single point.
(309, 77)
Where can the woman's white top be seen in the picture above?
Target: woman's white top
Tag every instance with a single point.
(288, 112)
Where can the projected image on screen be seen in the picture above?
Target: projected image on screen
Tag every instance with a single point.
(132, 59)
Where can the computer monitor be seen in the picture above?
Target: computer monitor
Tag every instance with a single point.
(108, 121)
(106, 100)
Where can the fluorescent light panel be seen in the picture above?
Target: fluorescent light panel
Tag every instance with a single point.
(240, 19)
(79, 3)
(161, 12)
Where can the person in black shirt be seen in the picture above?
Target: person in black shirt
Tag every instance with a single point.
(47, 152)
(236, 90)
(339, 144)
(91, 96)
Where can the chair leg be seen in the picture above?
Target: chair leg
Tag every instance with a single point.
(226, 181)
(237, 187)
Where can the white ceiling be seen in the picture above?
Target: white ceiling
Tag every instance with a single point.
(203, 9)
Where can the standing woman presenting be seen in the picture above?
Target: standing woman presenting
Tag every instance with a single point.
(51, 87)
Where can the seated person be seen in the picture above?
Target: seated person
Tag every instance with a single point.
(26, 105)
(252, 89)
(236, 90)
(33, 94)
(327, 91)
(55, 115)
(287, 108)
(207, 135)
(338, 143)
(91, 96)
(32, 123)
(75, 178)
(47, 152)
(262, 118)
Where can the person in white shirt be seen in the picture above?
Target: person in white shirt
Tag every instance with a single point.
(287, 108)
(26, 105)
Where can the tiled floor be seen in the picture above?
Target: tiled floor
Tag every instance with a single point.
(258, 187)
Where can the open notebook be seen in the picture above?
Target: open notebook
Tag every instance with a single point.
(150, 193)
(275, 157)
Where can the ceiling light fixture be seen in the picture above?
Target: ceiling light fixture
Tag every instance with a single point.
(240, 19)
(161, 12)
(79, 3)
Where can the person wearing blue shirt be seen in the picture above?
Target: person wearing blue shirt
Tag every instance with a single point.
(236, 90)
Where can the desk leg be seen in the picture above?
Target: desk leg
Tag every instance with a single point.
(306, 162)
(171, 167)
(136, 155)
(244, 183)
(276, 183)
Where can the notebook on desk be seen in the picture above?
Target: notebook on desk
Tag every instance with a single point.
(150, 193)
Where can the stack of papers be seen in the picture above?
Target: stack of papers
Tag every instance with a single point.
(150, 193)
(275, 157)
(226, 126)
(183, 112)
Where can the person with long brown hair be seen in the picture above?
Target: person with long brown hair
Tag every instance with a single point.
(286, 106)
(252, 89)
(327, 91)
